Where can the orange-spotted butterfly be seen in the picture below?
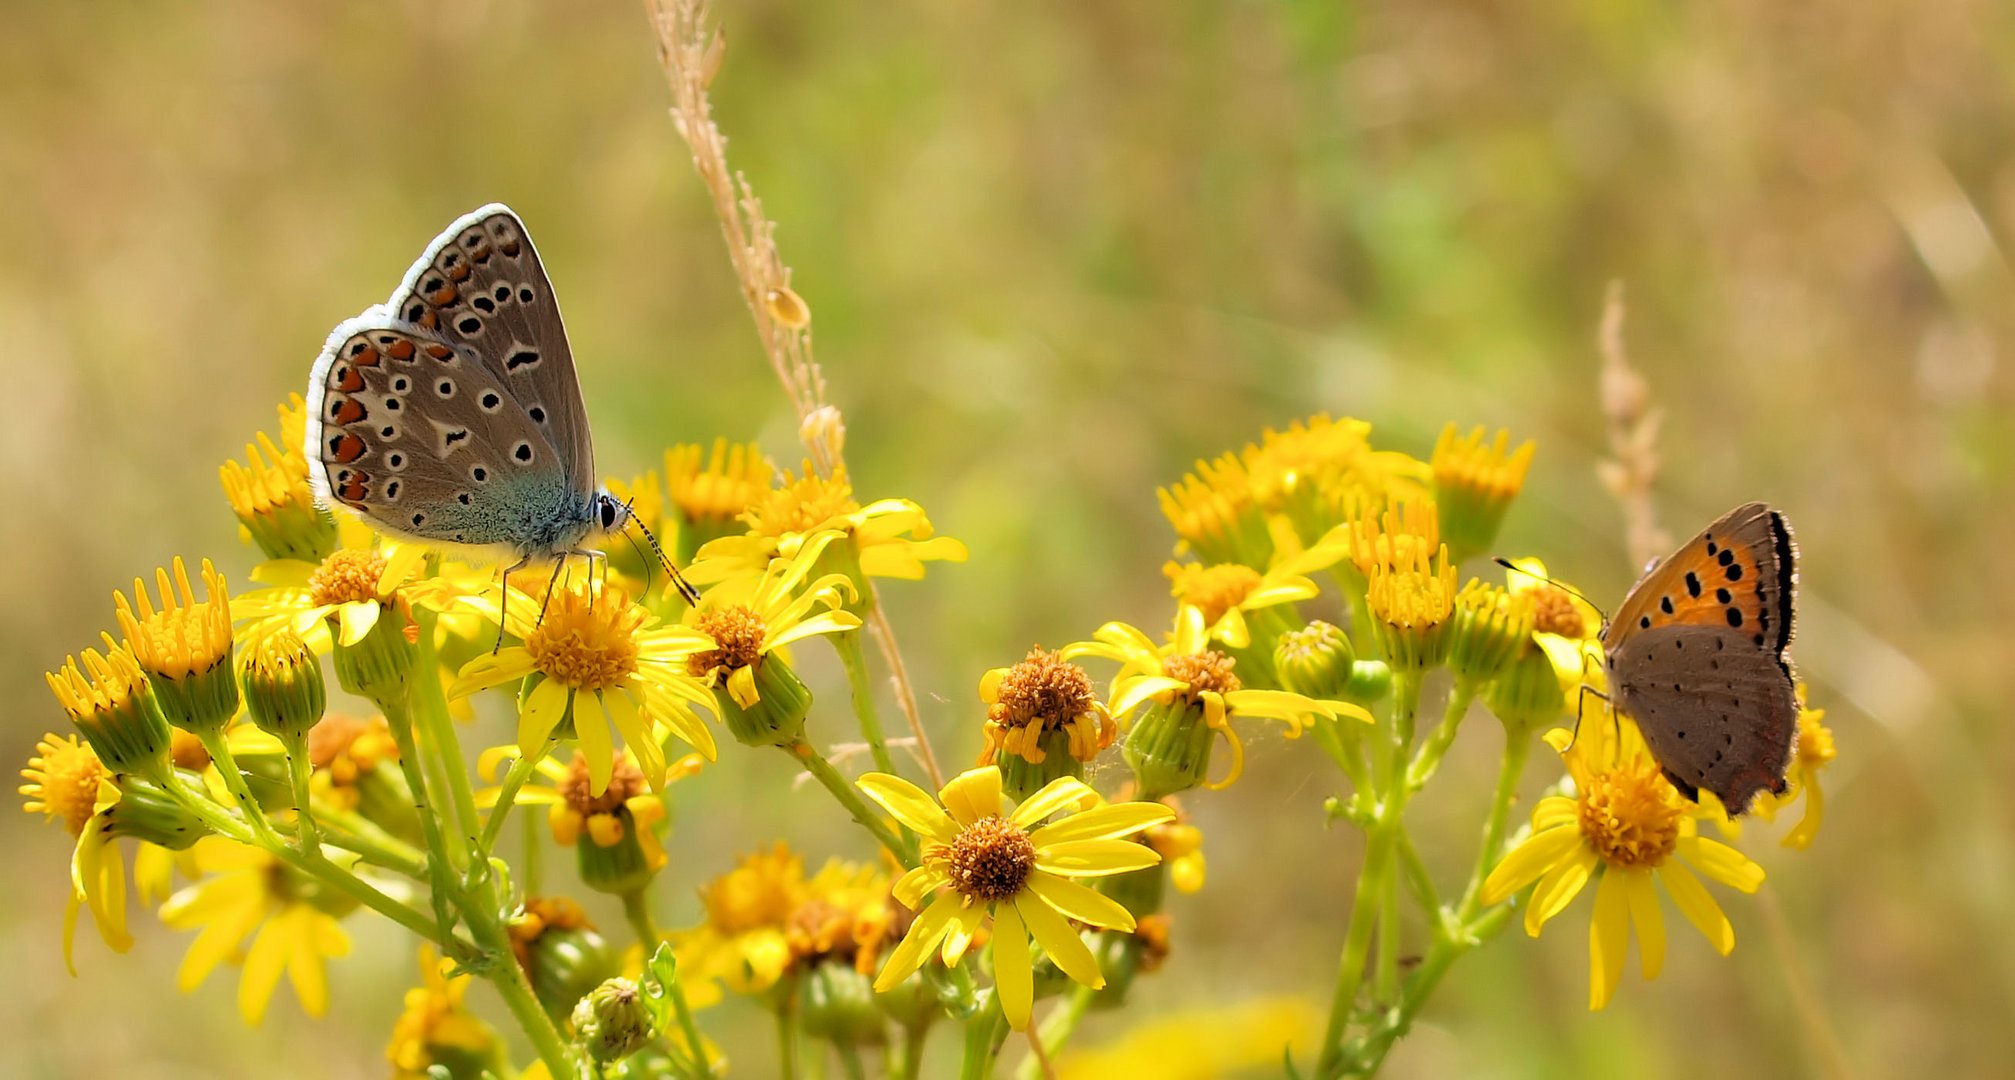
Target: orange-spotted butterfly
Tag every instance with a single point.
(1696, 657)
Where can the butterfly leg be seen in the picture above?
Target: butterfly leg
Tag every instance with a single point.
(504, 600)
(1580, 700)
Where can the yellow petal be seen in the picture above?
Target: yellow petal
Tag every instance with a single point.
(591, 726)
(1014, 975)
(1058, 939)
(1522, 865)
(1095, 858)
(742, 687)
(831, 622)
(1608, 937)
(924, 935)
(1558, 888)
(358, 618)
(961, 933)
(491, 669)
(1721, 862)
(1128, 693)
(1080, 903)
(1698, 905)
(1062, 793)
(973, 794)
(305, 967)
(919, 883)
(1649, 920)
(542, 711)
(1103, 823)
(264, 965)
(910, 805)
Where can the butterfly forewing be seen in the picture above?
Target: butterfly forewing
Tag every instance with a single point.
(1717, 712)
(419, 435)
(1738, 574)
(481, 285)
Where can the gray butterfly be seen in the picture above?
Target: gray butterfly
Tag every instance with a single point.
(451, 414)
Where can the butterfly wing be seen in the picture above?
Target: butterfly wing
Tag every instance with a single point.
(1739, 574)
(419, 435)
(480, 284)
(1716, 711)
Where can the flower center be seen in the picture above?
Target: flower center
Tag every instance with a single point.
(587, 642)
(539, 915)
(347, 576)
(68, 773)
(737, 631)
(1553, 612)
(800, 506)
(626, 782)
(1041, 689)
(762, 891)
(1214, 589)
(991, 859)
(819, 928)
(1629, 817)
(1205, 671)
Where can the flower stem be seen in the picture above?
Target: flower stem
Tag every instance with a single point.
(441, 877)
(1057, 1028)
(850, 1060)
(305, 832)
(787, 1042)
(822, 770)
(1364, 908)
(855, 660)
(688, 1025)
(1421, 985)
(234, 782)
(507, 794)
(1428, 759)
(914, 1037)
(637, 909)
(984, 1034)
(1517, 745)
(439, 728)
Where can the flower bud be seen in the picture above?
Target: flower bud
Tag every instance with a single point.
(837, 1002)
(612, 1022)
(284, 692)
(378, 664)
(1169, 747)
(112, 703)
(1527, 694)
(777, 718)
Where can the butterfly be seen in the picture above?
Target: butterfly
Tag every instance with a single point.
(1696, 656)
(451, 414)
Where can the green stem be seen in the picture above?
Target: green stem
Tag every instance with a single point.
(1356, 947)
(689, 1026)
(903, 848)
(352, 831)
(914, 1038)
(984, 1034)
(534, 860)
(439, 728)
(1517, 745)
(1428, 759)
(305, 832)
(787, 1042)
(1421, 985)
(850, 1060)
(1417, 880)
(507, 794)
(1406, 686)
(855, 660)
(441, 877)
(509, 979)
(637, 909)
(1057, 1028)
(234, 781)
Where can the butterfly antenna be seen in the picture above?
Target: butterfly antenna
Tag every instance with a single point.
(1563, 587)
(686, 590)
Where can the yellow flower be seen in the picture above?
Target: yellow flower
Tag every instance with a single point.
(1815, 750)
(250, 891)
(1625, 827)
(743, 942)
(601, 660)
(1235, 1039)
(1187, 673)
(888, 538)
(1043, 693)
(271, 495)
(350, 588)
(1180, 845)
(846, 916)
(1474, 484)
(1409, 582)
(712, 490)
(436, 1028)
(345, 752)
(185, 647)
(112, 702)
(1227, 593)
(1321, 473)
(624, 809)
(1564, 624)
(1015, 869)
(67, 783)
(1215, 514)
(745, 623)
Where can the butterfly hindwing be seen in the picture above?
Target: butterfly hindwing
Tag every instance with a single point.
(1739, 574)
(480, 284)
(418, 435)
(1716, 711)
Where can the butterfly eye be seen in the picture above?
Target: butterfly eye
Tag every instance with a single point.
(609, 512)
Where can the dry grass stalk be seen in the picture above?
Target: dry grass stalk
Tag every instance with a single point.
(1633, 438)
(691, 52)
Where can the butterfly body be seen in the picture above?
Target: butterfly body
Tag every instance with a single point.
(1695, 656)
(451, 415)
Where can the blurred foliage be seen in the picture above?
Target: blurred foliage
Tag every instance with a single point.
(1054, 252)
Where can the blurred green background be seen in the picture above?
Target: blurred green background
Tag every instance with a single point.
(1054, 253)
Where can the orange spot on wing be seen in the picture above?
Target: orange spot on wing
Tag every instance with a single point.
(349, 411)
(439, 351)
(367, 358)
(443, 296)
(350, 381)
(347, 448)
(400, 350)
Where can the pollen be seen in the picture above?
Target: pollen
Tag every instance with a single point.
(991, 859)
(1553, 612)
(1208, 671)
(716, 485)
(801, 505)
(587, 642)
(625, 783)
(738, 631)
(347, 576)
(183, 637)
(1042, 689)
(1629, 817)
(1213, 590)
(63, 781)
